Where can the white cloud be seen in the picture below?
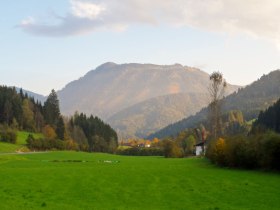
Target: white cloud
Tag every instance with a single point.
(86, 9)
(27, 21)
(257, 18)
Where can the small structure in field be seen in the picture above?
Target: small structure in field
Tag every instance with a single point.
(200, 148)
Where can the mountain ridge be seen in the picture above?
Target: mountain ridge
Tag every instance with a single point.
(251, 99)
(111, 87)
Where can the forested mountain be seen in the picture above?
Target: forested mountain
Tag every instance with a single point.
(153, 114)
(118, 93)
(18, 111)
(269, 119)
(250, 100)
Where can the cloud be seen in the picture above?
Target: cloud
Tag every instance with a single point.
(256, 18)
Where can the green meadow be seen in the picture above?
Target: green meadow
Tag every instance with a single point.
(20, 142)
(22, 136)
(76, 180)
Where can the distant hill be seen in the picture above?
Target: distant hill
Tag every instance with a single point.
(250, 100)
(36, 96)
(113, 92)
(153, 114)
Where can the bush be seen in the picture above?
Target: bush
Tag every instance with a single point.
(241, 152)
(216, 151)
(8, 135)
(270, 151)
(257, 151)
(45, 144)
(140, 151)
(171, 149)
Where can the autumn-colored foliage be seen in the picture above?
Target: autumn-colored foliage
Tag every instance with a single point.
(49, 132)
(256, 151)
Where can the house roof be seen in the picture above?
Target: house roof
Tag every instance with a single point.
(200, 143)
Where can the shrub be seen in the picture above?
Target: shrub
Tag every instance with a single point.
(140, 151)
(171, 149)
(8, 135)
(45, 144)
(241, 152)
(256, 151)
(270, 151)
(216, 151)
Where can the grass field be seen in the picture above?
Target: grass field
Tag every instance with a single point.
(7, 148)
(57, 180)
(20, 142)
(22, 136)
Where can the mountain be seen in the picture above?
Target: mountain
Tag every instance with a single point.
(250, 100)
(119, 92)
(153, 114)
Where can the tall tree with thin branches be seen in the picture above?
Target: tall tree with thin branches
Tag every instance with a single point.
(216, 91)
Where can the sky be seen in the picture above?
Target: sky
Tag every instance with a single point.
(46, 44)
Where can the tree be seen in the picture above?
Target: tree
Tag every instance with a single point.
(171, 149)
(79, 136)
(28, 115)
(49, 132)
(51, 109)
(190, 142)
(60, 129)
(8, 112)
(268, 119)
(216, 91)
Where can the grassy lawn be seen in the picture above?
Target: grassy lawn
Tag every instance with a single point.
(22, 136)
(20, 143)
(101, 181)
(7, 148)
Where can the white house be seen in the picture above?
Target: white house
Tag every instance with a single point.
(200, 148)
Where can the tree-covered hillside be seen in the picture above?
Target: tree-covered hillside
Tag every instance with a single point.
(250, 100)
(269, 119)
(149, 116)
(18, 111)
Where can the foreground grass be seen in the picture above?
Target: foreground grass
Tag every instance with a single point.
(101, 181)
(7, 147)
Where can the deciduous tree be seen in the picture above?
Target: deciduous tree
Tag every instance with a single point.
(216, 91)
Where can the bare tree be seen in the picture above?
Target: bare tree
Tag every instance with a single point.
(216, 91)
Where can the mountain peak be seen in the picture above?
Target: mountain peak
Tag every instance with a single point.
(111, 88)
(106, 65)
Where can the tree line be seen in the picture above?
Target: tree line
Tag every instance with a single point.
(256, 147)
(18, 111)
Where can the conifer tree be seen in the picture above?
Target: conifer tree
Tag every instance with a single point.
(51, 109)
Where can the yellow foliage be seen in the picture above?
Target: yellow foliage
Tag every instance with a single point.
(49, 132)
(220, 144)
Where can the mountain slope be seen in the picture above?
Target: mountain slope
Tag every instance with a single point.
(111, 87)
(111, 90)
(250, 100)
(153, 114)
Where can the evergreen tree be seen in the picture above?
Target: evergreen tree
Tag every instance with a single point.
(51, 109)
(60, 129)
(269, 119)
